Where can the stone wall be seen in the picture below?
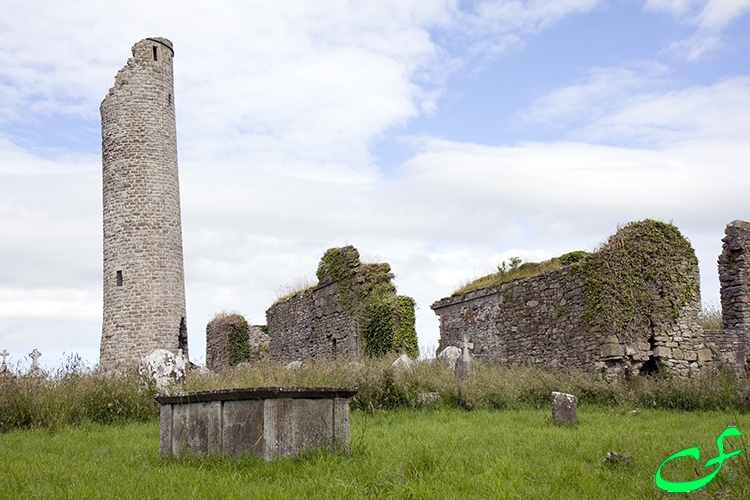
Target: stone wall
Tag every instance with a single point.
(734, 276)
(731, 343)
(545, 321)
(144, 290)
(219, 333)
(353, 311)
(312, 325)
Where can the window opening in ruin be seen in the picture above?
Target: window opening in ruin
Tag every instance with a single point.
(169, 100)
(155, 52)
(334, 348)
(650, 367)
(182, 337)
(119, 278)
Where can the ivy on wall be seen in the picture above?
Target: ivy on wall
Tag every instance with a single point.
(386, 319)
(645, 273)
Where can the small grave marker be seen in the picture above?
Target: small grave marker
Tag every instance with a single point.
(563, 407)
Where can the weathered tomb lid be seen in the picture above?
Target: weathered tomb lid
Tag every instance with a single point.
(256, 393)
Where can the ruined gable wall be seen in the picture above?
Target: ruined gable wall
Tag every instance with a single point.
(312, 325)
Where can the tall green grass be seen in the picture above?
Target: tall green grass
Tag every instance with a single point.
(72, 394)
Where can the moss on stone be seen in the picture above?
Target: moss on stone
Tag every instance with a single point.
(367, 293)
(644, 274)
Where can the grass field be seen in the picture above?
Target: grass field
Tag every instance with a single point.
(402, 453)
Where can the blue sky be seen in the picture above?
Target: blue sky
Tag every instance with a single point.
(440, 136)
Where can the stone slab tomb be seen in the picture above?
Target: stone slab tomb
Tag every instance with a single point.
(264, 421)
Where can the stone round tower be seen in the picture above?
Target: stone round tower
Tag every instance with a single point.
(144, 284)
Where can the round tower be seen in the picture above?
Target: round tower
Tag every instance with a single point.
(144, 284)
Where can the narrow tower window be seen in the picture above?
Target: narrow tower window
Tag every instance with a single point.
(155, 58)
(182, 337)
(119, 278)
(169, 99)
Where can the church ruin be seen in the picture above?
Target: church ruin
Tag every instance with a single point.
(352, 311)
(632, 307)
(144, 286)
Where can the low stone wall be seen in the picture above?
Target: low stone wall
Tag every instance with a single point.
(312, 325)
(730, 348)
(265, 421)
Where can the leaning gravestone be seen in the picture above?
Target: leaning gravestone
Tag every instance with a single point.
(403, 362)
(465, 364)
(449, 356)
(563, 407)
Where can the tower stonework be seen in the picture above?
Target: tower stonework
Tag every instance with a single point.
(144, 284)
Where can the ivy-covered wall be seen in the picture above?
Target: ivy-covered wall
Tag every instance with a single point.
(230, 340)
(631, 307)
(352, 311)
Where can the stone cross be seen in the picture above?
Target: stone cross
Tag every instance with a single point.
(34, 355)
(465, 363)
(4, 354)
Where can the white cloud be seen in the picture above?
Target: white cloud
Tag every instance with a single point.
(277, 107)
(642, 108)
(709, 16)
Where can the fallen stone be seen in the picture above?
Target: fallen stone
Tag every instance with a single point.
(403, 362)
(164, 367)
(294, 365)
(428, 398)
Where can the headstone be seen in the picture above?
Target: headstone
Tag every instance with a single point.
(563, 407)
(403, 362)
(449, 356)
(163, 367)
(35, 371)
(4, 370)
(465, 364)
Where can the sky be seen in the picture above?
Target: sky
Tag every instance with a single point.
(442, 137)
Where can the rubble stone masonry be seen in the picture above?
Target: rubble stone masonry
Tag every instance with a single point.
(540, 321)
(144, 290)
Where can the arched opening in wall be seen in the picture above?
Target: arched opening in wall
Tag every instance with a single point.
(155, 51)
(182, 337)
(651, 367)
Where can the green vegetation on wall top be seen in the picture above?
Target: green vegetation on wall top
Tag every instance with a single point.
(518, 269)
(386, 320)
(643, 275)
